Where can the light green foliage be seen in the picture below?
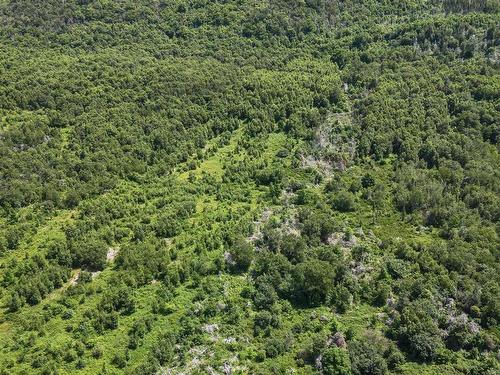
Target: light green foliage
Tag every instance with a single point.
(335, 361)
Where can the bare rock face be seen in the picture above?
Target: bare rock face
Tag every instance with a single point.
(339, 340)
(463, 320)
(323, 318)
(344, 240)
(74, 279)
(227, 369)
(111, 254)
(317, 362)
(229, 259)
(210, 328)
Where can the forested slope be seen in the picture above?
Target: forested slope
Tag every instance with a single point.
(249, 187)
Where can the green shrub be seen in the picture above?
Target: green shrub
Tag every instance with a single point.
(344, 201)
(335, 361)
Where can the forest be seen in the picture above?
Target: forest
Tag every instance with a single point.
(250, 187)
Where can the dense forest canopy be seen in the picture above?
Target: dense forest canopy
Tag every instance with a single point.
(249, 187)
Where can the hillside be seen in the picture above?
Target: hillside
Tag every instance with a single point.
(249, 187)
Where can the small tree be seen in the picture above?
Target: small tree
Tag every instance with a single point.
(15, 302)
(424, 346)
(241, 255)
(335, 361)
(167, 226)
(90, 254)
(367, 358)
(344, 201)
(293, 247)
(367, 180)
(312, 281)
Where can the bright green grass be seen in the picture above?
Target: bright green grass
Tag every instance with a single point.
(213, 166)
